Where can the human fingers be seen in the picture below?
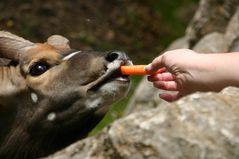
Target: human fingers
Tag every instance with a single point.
(166, 85)
(169, 97)
(166, 76)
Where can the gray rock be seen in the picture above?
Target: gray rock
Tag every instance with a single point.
(145, 94)
(199, 126)
(234, 46)
(211, 16)
(212, 43)
(232, 91)
(232, 32)
(179, 44)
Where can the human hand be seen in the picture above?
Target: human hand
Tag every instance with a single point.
(187, 72)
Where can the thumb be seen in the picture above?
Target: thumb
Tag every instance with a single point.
(149, 68)
(154, 65)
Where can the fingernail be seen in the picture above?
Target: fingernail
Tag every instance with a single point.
(149, 78)
(148, 67)
(160, 95)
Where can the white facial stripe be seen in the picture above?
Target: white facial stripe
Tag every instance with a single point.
(114, 65)
(130, 63)
(34, 97)
(70, 55)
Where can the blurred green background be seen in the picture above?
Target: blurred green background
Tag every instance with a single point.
(140, 28)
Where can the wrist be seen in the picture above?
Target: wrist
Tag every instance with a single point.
(223, 70)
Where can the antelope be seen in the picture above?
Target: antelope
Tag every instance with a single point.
(52, 95)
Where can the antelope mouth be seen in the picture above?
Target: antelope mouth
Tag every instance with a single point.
(112, 74)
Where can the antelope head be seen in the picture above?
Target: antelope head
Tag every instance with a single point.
(52, 95)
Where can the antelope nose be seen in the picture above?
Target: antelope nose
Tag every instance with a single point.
(116, 55)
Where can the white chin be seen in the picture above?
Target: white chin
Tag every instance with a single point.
(108, 93)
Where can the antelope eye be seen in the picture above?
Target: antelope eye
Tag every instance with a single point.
(39, 68)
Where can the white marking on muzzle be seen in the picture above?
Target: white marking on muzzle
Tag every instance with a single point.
(34, 97)
(51, 116)
(93, 102)
(70, 55)
(114, 65)
(130, 63)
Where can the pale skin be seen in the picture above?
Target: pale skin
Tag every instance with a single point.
(188, 72)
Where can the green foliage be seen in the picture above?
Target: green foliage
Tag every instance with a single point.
(170, 16)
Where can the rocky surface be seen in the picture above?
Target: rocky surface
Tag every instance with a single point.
(208, 45)
(232, 32)
(199, 126)
(211, 16)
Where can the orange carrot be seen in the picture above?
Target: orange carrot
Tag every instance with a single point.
(138, 70)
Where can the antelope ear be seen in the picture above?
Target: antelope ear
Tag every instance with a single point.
(12, 45)
(58, 41)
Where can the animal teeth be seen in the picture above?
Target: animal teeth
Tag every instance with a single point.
(51, 116)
